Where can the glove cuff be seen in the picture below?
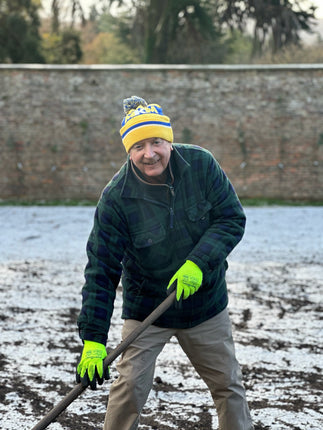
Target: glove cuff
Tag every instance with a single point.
(89, 344)
(193, 265)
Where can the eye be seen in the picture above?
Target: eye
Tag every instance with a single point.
(157, 141)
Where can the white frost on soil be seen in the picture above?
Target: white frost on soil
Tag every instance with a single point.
(275, 281)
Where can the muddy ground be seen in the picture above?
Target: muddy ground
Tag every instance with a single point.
(275, 280)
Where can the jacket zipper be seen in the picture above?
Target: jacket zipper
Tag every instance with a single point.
(171, 208)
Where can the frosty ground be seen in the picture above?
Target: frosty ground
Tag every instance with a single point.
(275, 281)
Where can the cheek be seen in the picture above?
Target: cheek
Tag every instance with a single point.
(166, 158)
(133, 158)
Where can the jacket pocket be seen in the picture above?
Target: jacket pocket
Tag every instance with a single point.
(149, 237)
(199, 211)
(150, 256)
(198, 220)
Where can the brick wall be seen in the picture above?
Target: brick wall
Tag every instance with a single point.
(59, 125)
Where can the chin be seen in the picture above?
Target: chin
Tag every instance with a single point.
(154, 173)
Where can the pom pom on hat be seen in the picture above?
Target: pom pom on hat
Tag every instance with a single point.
(132, 103)
(143, 121)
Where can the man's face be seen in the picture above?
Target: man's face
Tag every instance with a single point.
(151, 157)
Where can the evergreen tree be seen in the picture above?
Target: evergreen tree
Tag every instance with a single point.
(165, 29)
(277, 22)
(19, 32)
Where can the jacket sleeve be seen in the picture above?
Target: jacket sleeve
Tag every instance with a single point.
(105, 249)
(227, 221)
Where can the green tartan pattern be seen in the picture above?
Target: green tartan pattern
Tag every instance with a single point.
(145, 232)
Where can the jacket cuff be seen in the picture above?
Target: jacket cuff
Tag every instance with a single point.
(94, 337)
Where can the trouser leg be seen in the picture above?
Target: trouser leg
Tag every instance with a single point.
(136, 367)
(210, 348)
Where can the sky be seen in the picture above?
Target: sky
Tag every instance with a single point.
(87, 3)
(319, 10)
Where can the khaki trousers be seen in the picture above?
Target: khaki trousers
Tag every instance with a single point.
(210, 348)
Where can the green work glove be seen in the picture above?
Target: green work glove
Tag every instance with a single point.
(90, 367)
(189, 279)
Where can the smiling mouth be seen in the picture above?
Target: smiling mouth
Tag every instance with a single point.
(152, 163)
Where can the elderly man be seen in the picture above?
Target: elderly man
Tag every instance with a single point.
(167, 220)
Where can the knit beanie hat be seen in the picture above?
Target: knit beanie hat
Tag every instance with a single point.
(143, 121)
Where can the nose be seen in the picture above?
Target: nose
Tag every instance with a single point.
(148, 150)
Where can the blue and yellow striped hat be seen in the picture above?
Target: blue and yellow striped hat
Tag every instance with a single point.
(143, 121)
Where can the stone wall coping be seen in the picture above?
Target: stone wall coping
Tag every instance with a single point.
(165, 67)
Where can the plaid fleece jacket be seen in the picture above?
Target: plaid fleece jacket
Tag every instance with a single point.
(145, 232)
